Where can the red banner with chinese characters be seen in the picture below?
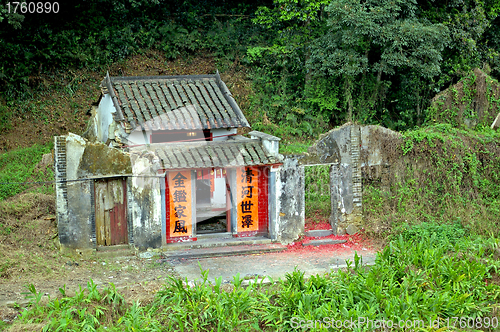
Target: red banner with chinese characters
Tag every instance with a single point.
(247, 190)
(179, 185)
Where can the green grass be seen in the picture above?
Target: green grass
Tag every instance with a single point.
(317, 190)
(20, 166)
(424, 273)
(294, 148)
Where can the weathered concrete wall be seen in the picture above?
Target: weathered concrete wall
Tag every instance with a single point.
(377, 161)
(79, 231)
(144, 199)
(340, 148)
(99, 160)
(72, 197)
(290, 203)
(80, 162)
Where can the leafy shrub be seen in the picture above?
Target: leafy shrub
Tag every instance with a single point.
(425, 280)
(442, 232)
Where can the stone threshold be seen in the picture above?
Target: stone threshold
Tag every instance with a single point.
(216, 240)
(220, 251)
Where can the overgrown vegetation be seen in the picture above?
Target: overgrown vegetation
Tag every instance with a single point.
(313, 63)
(439, 173)
(416, 278)
(27, 234)
(473, 102)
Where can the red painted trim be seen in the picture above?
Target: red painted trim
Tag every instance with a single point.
(167, 209)
(263, 200)
(228, 206)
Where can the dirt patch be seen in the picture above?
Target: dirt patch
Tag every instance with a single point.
(29, 255)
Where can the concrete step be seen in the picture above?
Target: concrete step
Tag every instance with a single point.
(221, 235)
(322, 241)
(319, 232)
(205, 241)
(117, 247)
(222, 251)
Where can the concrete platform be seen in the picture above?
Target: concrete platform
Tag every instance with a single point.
(223, 251)
(275, 264)
(212, 240)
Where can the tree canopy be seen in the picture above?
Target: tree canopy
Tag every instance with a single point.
(313, 63)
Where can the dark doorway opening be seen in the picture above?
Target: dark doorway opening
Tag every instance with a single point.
(217, 224)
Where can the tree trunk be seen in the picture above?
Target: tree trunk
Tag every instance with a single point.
(348, 98)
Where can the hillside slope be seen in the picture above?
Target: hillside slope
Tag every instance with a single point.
(63, 100)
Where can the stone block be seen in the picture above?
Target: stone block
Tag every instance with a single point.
(319, 232)
(351, 229)
(323, 241)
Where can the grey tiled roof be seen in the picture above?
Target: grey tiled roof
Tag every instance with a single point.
(174, 102)
(209, 154)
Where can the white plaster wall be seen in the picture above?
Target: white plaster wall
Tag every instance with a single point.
(221, 134)
(145, 203)
(104, 117)
(136, 137)
(272, 146)
(155, 213)
(75, 146)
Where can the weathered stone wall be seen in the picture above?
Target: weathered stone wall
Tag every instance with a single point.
(290, 203)
(78, 162)
(355, 153)
(144, 199)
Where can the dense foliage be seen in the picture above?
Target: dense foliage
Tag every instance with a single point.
(314, 63)
(371, 61)
(90, 33)
(421, 277)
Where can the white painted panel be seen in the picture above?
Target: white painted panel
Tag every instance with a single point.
(136, 137)
(104, 117)
(219, 198)
(222, 134)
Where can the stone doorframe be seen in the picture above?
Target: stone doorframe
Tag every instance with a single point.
(341, 149)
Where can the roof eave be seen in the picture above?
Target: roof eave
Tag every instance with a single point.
(109, 87)
(229, 97)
